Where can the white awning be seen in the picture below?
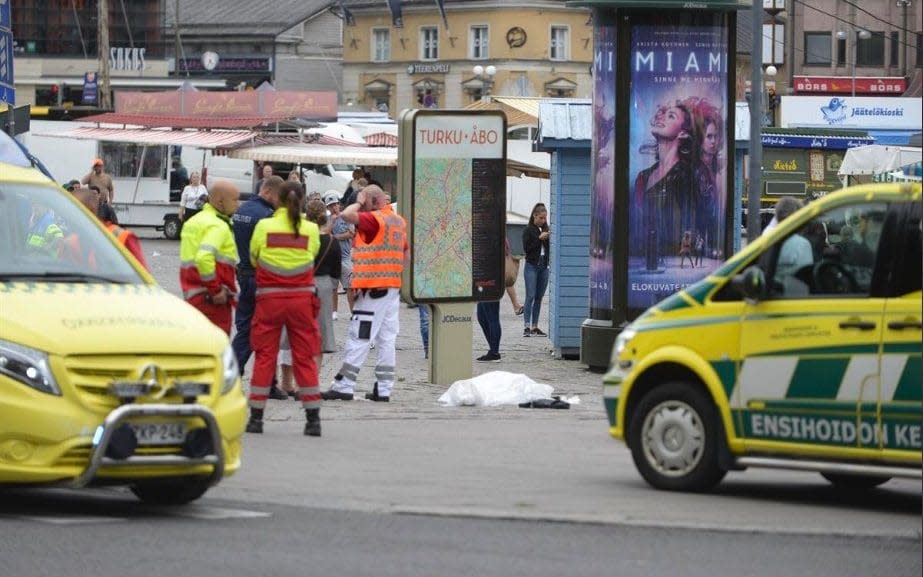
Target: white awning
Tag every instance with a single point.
(877, 159)
(160, 136)
(319, 154)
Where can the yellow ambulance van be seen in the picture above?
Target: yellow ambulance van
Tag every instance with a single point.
(802, 352)
(105, 378)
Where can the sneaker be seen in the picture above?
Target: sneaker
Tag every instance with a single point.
(489, 358)
(278, 394)
(373, 396)
(254, 426)
(334, 315)
(527, 332)
(538, 332)
(332, 395)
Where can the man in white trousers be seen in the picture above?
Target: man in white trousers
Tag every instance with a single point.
(379, 251)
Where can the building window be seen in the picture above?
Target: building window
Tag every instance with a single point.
(381, 45)
(817, 48)
(895, 48)
(559, 43)
(841, 59)
(429, 43)
(870, 51)
(479, 46)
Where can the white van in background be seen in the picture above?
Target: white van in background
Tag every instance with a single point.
(211, 166)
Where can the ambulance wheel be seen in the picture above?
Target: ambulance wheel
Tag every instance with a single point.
(674, 438)
(171, 492)
(854, 482)
(172, 227)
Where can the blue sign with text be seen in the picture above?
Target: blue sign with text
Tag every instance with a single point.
(7, 92)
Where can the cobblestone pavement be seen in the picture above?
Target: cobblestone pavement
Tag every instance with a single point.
(414, 397)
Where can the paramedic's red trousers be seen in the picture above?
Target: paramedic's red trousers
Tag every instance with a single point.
(220, 315)
(297, 312)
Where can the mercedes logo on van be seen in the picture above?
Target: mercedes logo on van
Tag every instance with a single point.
(156, 378)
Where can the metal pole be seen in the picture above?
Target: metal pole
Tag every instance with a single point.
(176, 35)
(756, 115)
(103, 17)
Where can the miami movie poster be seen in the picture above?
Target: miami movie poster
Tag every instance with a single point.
(601, 245)
(677, 154)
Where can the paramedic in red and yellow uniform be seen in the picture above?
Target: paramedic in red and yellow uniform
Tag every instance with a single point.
(208, 256)
(378, 255)
(282, 251)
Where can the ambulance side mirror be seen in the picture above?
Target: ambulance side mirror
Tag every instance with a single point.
(751, 283)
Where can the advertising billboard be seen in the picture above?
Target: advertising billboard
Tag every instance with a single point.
(601, 219)
(678, 153)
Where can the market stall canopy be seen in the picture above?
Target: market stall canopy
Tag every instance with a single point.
(878, 159)
(519, 168)
(154, 136)
(169, 121)
(319, 154)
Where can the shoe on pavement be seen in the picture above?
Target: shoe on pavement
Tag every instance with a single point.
(527, 332)
(278, 394)
(378, 399)
(332, 395)
(489, 358)
(538, 332)
(254, 426)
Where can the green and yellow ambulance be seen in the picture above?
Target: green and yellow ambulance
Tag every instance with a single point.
(801, 352)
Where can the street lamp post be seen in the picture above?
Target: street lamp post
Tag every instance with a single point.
(864, 35)
(486, 76)
(904, 5)
(770, 85)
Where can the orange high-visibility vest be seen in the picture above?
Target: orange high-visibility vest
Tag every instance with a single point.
(379, 263)
(120, 233)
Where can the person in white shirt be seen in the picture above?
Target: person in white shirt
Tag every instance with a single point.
(795, 253)
(195, 195)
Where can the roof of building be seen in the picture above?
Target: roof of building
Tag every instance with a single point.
(243, 16)
(520, 110)
(565, 119)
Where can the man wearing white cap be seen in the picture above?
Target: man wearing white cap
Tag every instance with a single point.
(343, 232)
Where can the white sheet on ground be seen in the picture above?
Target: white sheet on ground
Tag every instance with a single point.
(495, 388)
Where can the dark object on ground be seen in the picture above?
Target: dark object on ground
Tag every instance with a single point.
(552, 403)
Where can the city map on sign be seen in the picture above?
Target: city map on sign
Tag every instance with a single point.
(443, 233)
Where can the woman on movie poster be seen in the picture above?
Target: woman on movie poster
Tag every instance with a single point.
(601, 246)
(679, 107)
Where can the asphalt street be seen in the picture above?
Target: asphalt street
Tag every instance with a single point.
(415, 488)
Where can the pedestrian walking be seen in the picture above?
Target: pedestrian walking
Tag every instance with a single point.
(536, 245)
(261, 206)
(193, 198)
(282, 251)
(378, 260)
(488, 314)
(100, 178)
(343, 232)
(208, 256)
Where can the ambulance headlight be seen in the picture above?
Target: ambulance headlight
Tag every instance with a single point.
(230, 371)
(622, 341)
(28, 366)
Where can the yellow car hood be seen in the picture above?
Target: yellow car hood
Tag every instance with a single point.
(93, 318)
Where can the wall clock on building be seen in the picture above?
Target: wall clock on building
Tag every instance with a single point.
(515, 37)
(209, 60)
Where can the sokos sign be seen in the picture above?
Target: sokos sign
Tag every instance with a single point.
(852, 112)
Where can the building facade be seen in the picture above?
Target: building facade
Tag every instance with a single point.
(481, 48)
(216, 45)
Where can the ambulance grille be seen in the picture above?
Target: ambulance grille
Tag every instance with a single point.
(90, 375)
